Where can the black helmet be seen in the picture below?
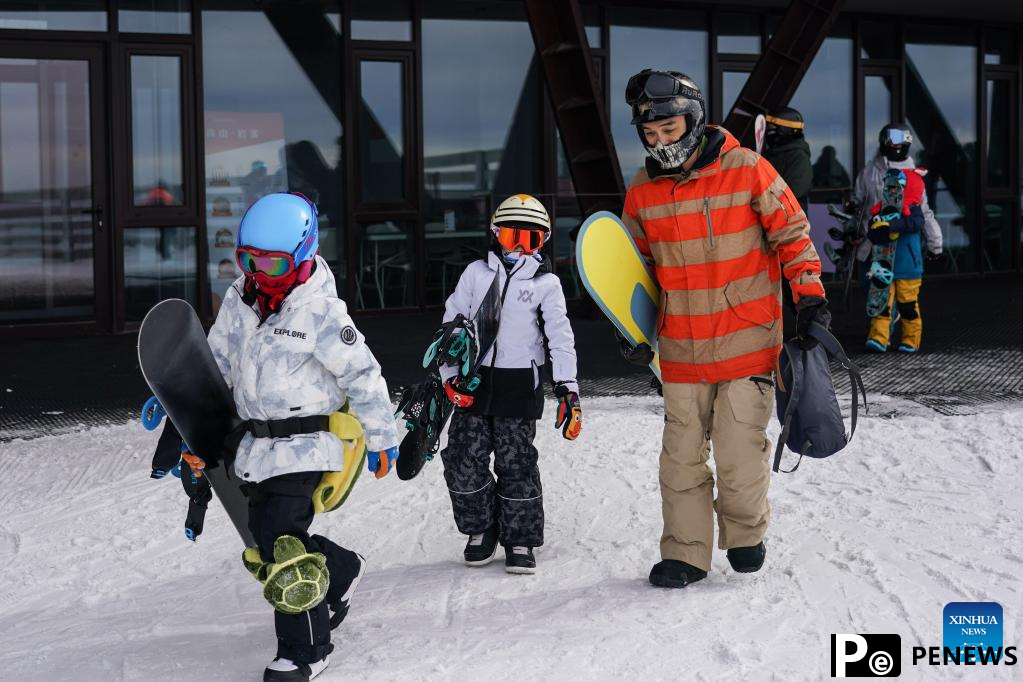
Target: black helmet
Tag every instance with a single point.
(783, 124)
(655, 95)
(894, 140)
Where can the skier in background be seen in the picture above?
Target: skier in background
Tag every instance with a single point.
(786, 149)
(291, 355)
(721, 228)
(500, 414)
(894, 141)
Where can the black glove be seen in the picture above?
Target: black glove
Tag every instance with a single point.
(641, 355)
(810, 309)
(932, 256)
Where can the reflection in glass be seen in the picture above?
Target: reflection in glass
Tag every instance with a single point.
(998, 237)
(46, 241)
(272, 129)
(374, 20)
(54, 15)
(738, 33)
(156, 130)
(159, 263)
(941, 96)
(877, 111)
(732, 83)
(999, 113)
(382, 131)
(154, 16)
(481, 129)
(671, 41)
(385, 272)
(829, 120)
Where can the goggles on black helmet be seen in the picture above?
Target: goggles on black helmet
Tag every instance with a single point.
(896, 137)
(657, 85)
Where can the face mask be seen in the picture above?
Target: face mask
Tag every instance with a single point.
(511, 257)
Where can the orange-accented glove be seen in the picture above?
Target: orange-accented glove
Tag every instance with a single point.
(457, 395)
(382, 461)
(196, 463)
(570, 413)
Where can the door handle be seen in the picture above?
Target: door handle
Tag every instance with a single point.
(98, 213)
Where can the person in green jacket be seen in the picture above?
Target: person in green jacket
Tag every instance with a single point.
(788, 152)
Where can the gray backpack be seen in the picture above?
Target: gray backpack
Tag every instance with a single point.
(811, 422)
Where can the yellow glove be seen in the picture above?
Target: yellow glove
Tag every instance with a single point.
(334, 486)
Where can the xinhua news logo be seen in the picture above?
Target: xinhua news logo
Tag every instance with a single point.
(973, 628)
(862, 655)
(971, 635)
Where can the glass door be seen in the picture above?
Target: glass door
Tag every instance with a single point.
(53, 196)
(880, 105)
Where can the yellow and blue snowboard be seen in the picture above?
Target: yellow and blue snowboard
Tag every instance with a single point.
(614, 272)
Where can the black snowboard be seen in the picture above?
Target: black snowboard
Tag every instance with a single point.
(177, 363)
(426, 408)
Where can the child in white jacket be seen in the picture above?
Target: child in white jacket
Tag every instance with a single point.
(291, 355)
(499, 415)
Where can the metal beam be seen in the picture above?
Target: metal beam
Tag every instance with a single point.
(780, 69)
(560, 39)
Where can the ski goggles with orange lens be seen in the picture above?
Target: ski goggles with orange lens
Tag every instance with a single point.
(272, 264)
(511, 238)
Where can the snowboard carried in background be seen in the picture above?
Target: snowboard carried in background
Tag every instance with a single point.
(882, 266)
(425, 406)
(616, 276)
(178, 365)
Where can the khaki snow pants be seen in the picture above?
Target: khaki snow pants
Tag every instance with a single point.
(732, 416)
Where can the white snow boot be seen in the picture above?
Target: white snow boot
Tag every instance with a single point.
(286, 670)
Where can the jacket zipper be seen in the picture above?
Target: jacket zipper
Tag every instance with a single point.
(710, 225)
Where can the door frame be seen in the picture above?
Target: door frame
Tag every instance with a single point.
(95, 54)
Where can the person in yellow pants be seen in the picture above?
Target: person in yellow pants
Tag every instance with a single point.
(902, 297)
(919, 238)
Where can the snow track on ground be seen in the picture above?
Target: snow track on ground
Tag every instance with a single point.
(98, 582)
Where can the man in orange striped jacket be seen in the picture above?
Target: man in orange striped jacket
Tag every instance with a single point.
(721, 228)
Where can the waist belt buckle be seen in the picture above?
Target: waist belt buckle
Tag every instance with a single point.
(259, 429)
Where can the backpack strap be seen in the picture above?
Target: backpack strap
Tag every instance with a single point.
(835, 351)
(790, 409)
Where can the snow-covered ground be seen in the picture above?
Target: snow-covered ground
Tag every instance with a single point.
(97, 581)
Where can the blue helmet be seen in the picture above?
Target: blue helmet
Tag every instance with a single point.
(281, 222)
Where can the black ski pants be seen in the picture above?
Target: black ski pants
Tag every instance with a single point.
(303, 637)
(515, 500)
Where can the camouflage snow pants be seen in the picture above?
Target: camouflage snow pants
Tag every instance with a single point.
(515, 502)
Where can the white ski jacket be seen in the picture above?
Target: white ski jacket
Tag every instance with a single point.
(867, 192)
(304, 360)
(533, 308)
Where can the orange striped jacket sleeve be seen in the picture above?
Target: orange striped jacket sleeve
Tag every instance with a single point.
(630, 216)
(787, 230)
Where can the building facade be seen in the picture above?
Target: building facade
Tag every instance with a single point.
(134, 134)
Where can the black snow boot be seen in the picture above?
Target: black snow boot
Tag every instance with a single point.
(519, 560)
(286, 670)
(339, 608)
(480, 549)
(672, 573)
(747, 559)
